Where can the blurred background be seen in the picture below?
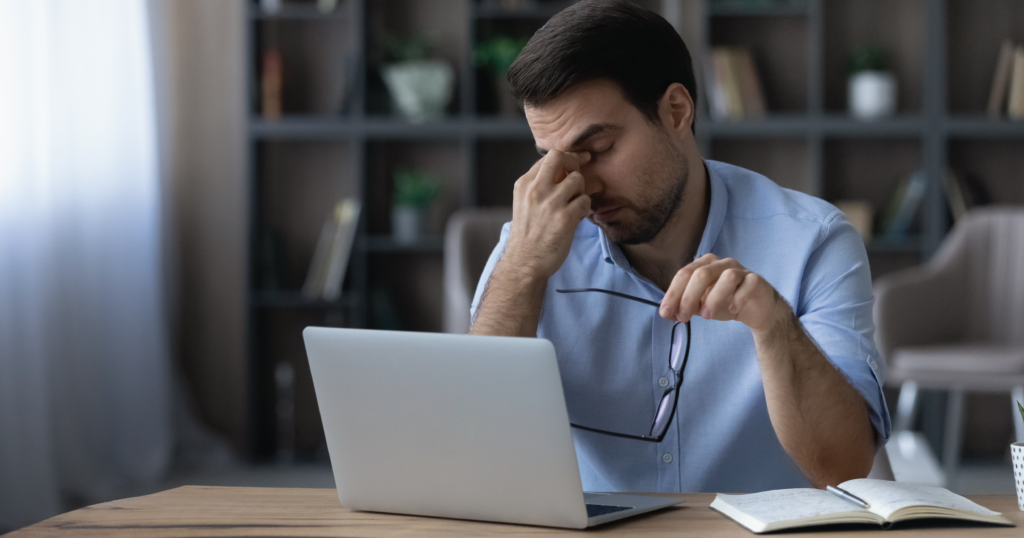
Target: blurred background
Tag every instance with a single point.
(186, 184)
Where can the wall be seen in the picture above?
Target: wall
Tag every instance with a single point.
(200, 51)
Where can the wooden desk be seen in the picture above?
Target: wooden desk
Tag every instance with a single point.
(212, 511)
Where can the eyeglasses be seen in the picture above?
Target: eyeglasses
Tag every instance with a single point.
(676, 363)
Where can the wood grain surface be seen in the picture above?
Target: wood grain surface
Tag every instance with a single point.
(193, 511)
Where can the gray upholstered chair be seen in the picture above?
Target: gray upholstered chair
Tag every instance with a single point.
(956, 323)
(468, 241)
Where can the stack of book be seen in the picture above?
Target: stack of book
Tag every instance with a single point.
(1007, 93)
(733, 86)
(962, 193)
(330, 260)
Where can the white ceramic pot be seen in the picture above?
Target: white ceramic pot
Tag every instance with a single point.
(872, 94)
(407, 223)
(420, 89)
(1017, 454)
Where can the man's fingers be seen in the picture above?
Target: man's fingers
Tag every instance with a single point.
(702, 279)
(720, 296)
(670, 303)
(570, 187)
(556, 165)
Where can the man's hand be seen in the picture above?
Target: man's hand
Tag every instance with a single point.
(548, 202)
(820, 419)
(723, 290)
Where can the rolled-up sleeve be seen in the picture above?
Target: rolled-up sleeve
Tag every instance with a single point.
(489, 268)
(835, 310)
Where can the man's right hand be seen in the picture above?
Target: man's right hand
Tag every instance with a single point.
(548, 202)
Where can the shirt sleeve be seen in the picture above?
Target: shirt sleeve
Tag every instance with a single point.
(836, 312)
(489, 268)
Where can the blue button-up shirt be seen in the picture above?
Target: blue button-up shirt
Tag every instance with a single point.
(613, 353)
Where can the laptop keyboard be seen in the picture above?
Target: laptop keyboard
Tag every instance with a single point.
(602, 509)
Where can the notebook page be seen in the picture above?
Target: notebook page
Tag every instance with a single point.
(886, 497)
(789, 504)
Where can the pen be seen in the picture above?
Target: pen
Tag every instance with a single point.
(843, 494)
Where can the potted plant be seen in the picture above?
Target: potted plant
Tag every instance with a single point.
(871, 88)
(495, 56)
(415, 190)
(1017, 454)
(420, 88)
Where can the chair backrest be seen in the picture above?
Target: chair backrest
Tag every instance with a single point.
(988, 247)
(468, 241)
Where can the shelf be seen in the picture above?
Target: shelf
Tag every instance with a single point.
(295, 299)
(308, 127)
(771, 125)
(881, 244)
(387, 244)
(983, 127)
(306, 12)
(764, 8)
(532, 10)
(797, 125)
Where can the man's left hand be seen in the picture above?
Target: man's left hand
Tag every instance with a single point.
(724, 290)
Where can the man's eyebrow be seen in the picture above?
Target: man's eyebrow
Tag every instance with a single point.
(590, 131)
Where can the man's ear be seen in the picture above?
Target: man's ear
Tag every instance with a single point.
(676, 108)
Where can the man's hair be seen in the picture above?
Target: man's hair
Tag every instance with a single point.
(613, 39)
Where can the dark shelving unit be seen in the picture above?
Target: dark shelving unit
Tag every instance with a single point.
(301, 163)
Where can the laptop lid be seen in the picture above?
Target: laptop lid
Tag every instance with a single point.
(470, 427)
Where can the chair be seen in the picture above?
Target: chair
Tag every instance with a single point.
(468, 241)
(956, 323)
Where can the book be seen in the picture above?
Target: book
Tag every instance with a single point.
(903, 205)
(270, 84)
(750, 84)
(963, 193)
(734, 88)
(330, 258)
(1015, 107)
(347, 215)
(718, 101)
(888, 502)
(1000, 80)
(726, 76)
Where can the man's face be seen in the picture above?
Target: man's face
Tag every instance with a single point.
(635, 177)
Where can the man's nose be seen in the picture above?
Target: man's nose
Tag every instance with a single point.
(592, 183)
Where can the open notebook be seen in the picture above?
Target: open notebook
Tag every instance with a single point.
(889, 502)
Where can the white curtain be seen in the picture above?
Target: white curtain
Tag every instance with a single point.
(85, 405)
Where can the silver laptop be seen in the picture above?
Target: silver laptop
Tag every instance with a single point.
(458, 426)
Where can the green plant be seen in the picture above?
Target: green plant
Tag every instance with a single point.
(405, 48)
(415, 188)
(867, 58)
(497, 53)
(1021, 409)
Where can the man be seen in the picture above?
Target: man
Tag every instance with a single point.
(755, 367)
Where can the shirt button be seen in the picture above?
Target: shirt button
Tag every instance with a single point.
(874, 365)
(667, 458)
(663, 382)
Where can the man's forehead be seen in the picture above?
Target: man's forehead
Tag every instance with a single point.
(588, 109)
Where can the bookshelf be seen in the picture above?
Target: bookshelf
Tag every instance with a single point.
(337, 138)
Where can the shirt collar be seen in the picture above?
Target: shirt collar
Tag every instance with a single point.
(716, 217)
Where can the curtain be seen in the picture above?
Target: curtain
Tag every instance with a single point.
(85, 403)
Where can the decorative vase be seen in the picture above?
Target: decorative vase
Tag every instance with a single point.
(872, 94)
(420, 89)
(407, 223)
(1017, 454)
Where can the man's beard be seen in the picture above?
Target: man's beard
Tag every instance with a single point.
(661, 193)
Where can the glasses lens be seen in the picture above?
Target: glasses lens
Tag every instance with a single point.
(675, 359)
(664, 412)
